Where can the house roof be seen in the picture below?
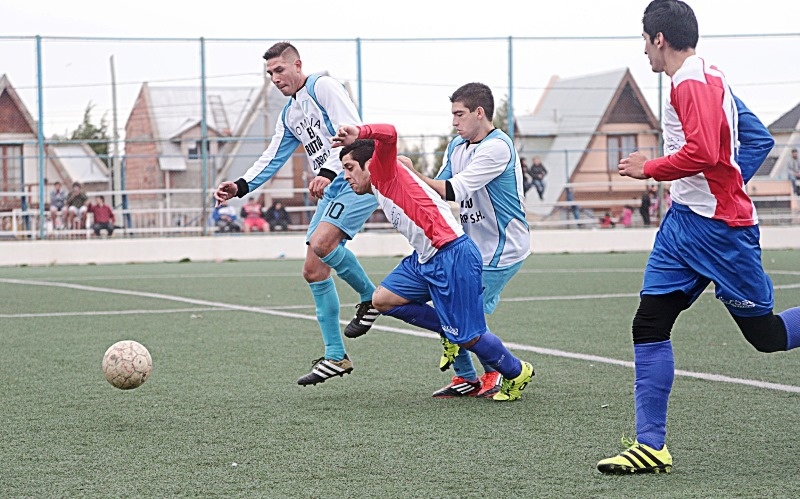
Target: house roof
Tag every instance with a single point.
(173, 107)
(573, 106)
(80, 163)
(786, 123)
(8, 89)
(571, 111)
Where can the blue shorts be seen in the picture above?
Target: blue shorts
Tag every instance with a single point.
(452, 280)
(494, 281)
(342, 207)
(691, 251)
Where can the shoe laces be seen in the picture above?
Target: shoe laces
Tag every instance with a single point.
(628, 442)
(317, 361)
(363, 307)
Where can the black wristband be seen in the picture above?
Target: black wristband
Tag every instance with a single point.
(242, 188)
(329, 174)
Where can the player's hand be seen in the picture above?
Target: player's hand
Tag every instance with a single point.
(633, 166)
(225, 191)
(317, 186)
(346, 135)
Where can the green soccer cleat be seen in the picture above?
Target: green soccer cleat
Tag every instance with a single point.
(637, 458)
(511, 389)
(449, 352)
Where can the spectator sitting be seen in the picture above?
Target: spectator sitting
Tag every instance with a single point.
(76, 206)
(252, 212)
(58, 203)
(606, 221)
(626, 218)
(225, 218)
(103, 216)
(277, 217)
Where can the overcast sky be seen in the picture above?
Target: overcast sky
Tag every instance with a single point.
(406, 83)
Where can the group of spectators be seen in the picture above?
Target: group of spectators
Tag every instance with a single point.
(69, 211)
(253, 217)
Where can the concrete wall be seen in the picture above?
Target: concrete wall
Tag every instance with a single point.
(265, 247)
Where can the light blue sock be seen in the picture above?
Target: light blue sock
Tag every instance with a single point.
(791, 320)
(491, 350)
(327, 302)
(654, 366)
(346, 265)
(463, 366)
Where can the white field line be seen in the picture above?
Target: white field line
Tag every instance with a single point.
(422, 334)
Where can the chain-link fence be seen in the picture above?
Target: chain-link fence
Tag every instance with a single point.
(176, 116)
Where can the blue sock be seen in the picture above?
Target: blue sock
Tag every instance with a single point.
(791, 319)
(424, 316)
(346, 265)
(491, 350)
(417, 314)
(654, 367)
(327, 302)
(463, 366)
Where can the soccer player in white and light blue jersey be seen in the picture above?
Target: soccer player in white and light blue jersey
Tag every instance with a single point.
(318, 106)
(481, 171)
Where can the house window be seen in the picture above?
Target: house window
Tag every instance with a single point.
(619, 146)
(11, 167)
(194, 152)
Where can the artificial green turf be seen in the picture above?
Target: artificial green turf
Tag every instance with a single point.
(223, 391)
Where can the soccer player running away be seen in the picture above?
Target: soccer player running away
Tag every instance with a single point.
(709, 234)
(445, 266)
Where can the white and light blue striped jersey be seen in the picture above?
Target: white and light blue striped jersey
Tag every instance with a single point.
(311, 118)
(487, 183)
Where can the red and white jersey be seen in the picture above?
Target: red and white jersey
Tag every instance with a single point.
(413, 208)
(700, 141)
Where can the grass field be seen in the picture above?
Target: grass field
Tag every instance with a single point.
(229, 340)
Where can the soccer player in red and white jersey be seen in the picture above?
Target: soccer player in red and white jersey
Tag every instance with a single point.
(445, 266)
(710, 233)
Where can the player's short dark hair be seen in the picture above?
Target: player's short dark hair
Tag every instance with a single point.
(279, 49)
(474, 95)
(673, 19)
(360, 150)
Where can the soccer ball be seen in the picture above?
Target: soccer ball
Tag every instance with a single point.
(127, 364)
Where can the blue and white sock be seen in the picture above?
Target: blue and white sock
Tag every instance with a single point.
(654, 366)
(347, 267)
(491, 350)
(327, 301)
(417, 314)
(424, 316)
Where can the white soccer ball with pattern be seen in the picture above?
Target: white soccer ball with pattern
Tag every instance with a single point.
(127, 364)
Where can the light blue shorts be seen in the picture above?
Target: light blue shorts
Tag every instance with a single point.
(452, 280)
(691, 251)
(343, 208)
(494, 281)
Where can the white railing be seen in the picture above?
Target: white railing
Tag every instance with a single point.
(169, 220)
